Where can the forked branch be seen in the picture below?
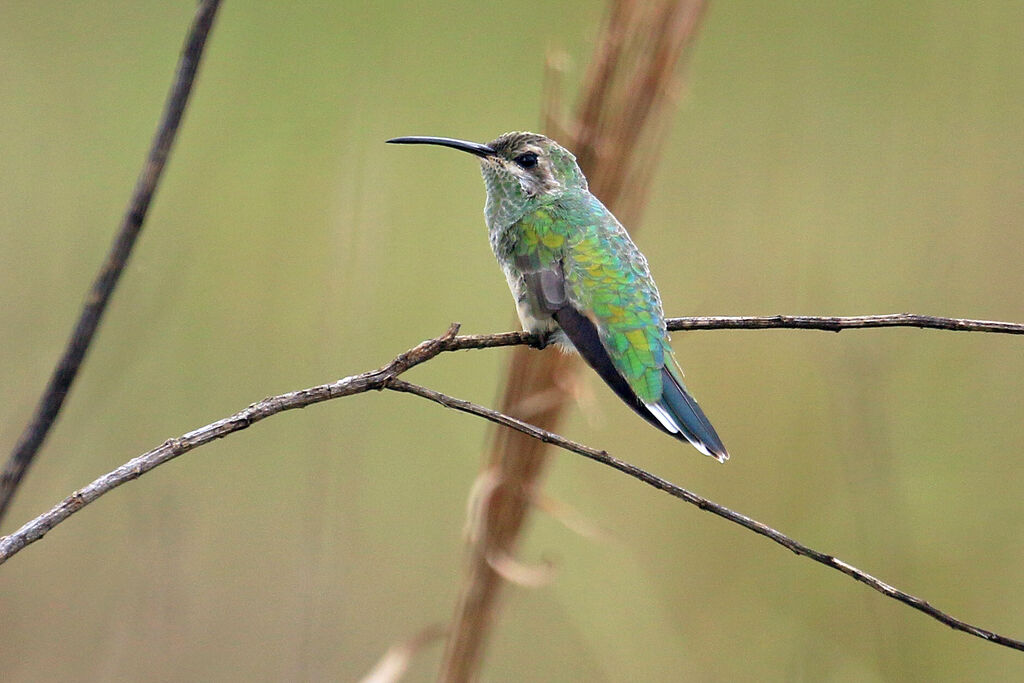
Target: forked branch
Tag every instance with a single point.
(387, 377)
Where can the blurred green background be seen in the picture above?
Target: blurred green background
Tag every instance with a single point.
(829, 158)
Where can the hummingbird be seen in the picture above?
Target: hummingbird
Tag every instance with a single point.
(579, 281)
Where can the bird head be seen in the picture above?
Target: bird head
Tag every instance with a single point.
(520, 170)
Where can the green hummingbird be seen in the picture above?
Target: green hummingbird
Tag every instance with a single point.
(579, 281)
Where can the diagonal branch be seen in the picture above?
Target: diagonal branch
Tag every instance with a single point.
(172, 448)
(378, 379)
(704, 504)
(387, 377)
(103, 287)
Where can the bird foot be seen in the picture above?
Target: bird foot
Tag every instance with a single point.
(543, 339)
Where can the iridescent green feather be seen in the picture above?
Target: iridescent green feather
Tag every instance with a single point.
(607, 280)
(575, 274)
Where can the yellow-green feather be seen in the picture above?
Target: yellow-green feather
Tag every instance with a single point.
(606, 279)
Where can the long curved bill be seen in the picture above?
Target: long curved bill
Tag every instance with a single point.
(464, 145)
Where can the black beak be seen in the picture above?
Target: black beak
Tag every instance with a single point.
(466, 146)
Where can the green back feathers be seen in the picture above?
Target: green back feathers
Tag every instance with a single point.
(606, 279)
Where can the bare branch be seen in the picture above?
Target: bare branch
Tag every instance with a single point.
(781, 322)
(704, 504)
(172, 448)
(380, 378)
(387, 377)
(840, 323)
(103, 287)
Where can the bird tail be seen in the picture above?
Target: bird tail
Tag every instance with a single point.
(676, 412)
(680, 415)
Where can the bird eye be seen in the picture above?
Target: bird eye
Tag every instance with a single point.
(528, 160)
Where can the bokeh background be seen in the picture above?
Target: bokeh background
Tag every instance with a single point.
(829, 158)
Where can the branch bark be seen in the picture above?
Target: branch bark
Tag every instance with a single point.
(172, 448)
(377, 379)
(387, 377)
(31, 439)
(840, 323)
(704, 504)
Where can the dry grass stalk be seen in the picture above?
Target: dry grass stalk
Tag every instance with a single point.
(624, 112)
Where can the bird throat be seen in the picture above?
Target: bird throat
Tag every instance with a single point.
(507, 202)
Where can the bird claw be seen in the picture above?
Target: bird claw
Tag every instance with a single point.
(543, 339)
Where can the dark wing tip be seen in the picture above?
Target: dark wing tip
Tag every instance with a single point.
(693, 424)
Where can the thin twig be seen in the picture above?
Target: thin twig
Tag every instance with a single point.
(704, 504)
(780, 322)
(172, 448)
(99, 295)
(840, 323)
(387, 377)
(449, 342)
